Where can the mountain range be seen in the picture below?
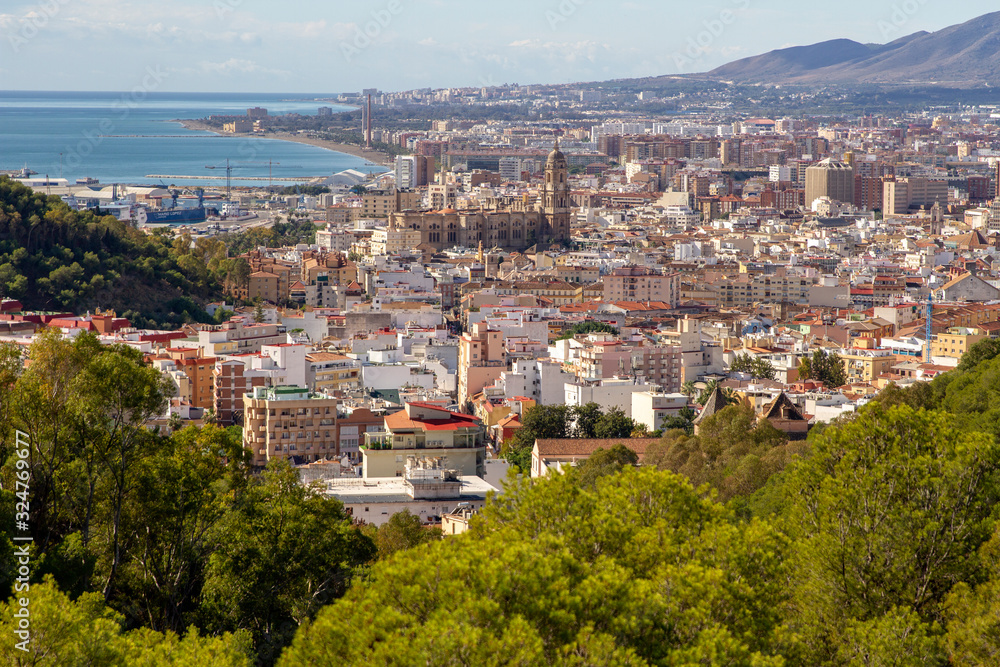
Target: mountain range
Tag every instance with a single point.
(961, 56)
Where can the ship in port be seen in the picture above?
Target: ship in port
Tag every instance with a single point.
(127, 210)
(174, 215)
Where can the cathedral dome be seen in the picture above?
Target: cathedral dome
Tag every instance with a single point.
(556, 157)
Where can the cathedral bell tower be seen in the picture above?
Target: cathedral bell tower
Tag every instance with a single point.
(555, 196)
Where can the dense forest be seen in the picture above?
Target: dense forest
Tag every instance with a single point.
(53, 258)
(874, 542)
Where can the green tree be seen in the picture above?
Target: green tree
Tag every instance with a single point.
(825, 367)
(85, 632)
(538, 422)
(585, 419)
(899, 638)
(684, 421)
(115, 395)
(605, 462)
(588, 328)
(984, 350)
(758, 368)
(614, 424)
(179, 498)
(734, 452)
(973, 615)
(657, 574)
(402, 531)
(278, 555)
(890, 510)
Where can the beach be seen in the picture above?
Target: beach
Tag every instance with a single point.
(377, 157)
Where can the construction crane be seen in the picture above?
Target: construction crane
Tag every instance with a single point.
(229, 175)
(230, 166)
(929, 331)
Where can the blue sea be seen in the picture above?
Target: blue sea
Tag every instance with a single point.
(121, 138)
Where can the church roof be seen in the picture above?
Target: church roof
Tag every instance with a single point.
(556, 155)
(715, 403)
(774, 409)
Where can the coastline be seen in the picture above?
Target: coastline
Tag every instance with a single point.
(376, 157)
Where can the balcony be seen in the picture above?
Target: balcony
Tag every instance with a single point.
(378, 441)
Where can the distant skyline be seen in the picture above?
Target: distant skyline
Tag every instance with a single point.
(319, 47)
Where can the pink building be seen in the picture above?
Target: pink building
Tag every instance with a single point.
(642, 284)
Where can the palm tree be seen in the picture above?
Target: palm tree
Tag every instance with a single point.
(728, 395)
(706, 392)
(688, 389)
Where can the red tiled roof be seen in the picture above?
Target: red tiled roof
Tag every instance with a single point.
(400, 420)
(581, 447)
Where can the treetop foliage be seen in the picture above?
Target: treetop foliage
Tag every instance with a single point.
(874, 542)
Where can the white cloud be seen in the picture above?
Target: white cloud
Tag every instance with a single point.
(239, 66)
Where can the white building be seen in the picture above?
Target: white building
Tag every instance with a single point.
(652, 408)
(427, 489)
(406, 172)
(608, 394)
(780, 174)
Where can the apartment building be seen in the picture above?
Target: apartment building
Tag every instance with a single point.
(745, 290)
(426, 430)
(482, 358)
(642, 284)
(385, 203)
(231, 379)
(289, 422)
(956, 341)
(329, 372)
(236, 337)
(901, 194)
(865, 366)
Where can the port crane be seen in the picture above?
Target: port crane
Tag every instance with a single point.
(241, 165)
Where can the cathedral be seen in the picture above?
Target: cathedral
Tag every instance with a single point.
(515, 227)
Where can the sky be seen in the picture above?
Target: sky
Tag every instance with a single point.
(330, 47)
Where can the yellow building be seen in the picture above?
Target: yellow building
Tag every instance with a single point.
(264, 286)
(384, 204)
(956, 341)
(866, 365)
(561, 293)
(392, 241)
(333, 372)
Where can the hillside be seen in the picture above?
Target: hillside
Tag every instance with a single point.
(54, 258)
(962, 55)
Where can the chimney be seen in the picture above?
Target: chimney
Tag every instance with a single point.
(368, 129)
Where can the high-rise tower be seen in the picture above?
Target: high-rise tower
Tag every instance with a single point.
(555, 195)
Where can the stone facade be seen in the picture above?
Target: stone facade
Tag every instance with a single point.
(513, 228)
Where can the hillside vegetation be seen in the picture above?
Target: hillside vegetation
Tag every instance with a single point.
(53, 258)
(874, 543)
